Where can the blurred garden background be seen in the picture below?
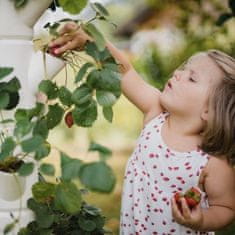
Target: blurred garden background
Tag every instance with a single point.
(157, 36)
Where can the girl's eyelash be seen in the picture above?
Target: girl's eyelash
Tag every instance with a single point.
(191, 79)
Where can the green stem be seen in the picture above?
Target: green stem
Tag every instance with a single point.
(20, 205)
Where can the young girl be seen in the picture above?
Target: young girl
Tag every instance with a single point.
(188, 140)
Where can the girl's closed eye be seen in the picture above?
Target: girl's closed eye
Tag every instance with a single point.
(191, 79)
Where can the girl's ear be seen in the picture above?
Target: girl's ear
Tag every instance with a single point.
(204, 115)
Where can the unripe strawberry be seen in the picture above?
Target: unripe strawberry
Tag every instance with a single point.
(69, 119)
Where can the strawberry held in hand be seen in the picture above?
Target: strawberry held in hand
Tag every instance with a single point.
(52, 51)
(192, 197)
(69, 119)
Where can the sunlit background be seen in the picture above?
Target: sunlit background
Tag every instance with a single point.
(157, 36)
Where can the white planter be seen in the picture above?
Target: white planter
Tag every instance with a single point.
(14, 193)
(19, 23)
(18, 54)
(36, 72)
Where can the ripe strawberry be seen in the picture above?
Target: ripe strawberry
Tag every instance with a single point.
(192, 197)
(51, 50)
(69, 119)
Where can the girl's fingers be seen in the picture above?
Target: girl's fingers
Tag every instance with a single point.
(176, 212)
(61, 40)
(185, 209)
(68, 46)
(69, 27)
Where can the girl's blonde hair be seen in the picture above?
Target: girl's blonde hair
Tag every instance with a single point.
(218, 138)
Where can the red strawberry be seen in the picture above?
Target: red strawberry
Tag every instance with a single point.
(51, 50)
(69, 119)
(192, 197)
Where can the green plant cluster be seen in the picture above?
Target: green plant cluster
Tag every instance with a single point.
(52, 218)
(59, 207)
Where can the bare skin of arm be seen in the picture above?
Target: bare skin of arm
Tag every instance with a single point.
(140, 93)
(219, 183)
(220, 188)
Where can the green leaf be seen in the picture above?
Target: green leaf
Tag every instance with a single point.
(5, 71)
(102, 150)
(85, 116)
(41, 128)
(68, 198)
(65, 96)
(54, 116)
(23, 127)
(47, 169)
(21, 114)
(100, 9)
(45, 220)
(82, 71)
(20, 3)
(91, 210)
(82, 95)
(53, 29)
(43, 191)
(223, 18)
(105, 98)
(4, 100)
(109, 80)
(93, 79)
(42, 151)
(49, 88)
(92, 50)
(73, 6)
(86, 224)
(26, 169)
(7, 148)
(99, 221)
(12, 86)
(98, 176)
(96, 34)
(8, 228)
(32, 144)
(36, 111)
(111, 66)
(108, 113)
(69, 167)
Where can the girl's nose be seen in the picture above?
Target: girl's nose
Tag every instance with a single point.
(177, 77)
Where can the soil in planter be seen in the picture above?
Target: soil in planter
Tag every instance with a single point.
(10, 164)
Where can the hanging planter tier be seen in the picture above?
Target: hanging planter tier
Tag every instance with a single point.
(14, 193)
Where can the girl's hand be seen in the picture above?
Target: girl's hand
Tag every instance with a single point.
(189, 218)
(71, 37)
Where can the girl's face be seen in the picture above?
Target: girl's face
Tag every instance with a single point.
(187, 91)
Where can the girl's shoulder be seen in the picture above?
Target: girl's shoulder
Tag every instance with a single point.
(151, 115)
(219, 169)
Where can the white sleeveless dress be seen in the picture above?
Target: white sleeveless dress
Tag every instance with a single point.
(153, 174)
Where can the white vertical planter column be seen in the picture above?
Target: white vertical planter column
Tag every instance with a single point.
(16, 50)
(14, 193)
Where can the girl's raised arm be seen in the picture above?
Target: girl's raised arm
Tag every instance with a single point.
(140, 93)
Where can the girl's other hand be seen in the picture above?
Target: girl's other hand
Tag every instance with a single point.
(189, 218)
(71, 36)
